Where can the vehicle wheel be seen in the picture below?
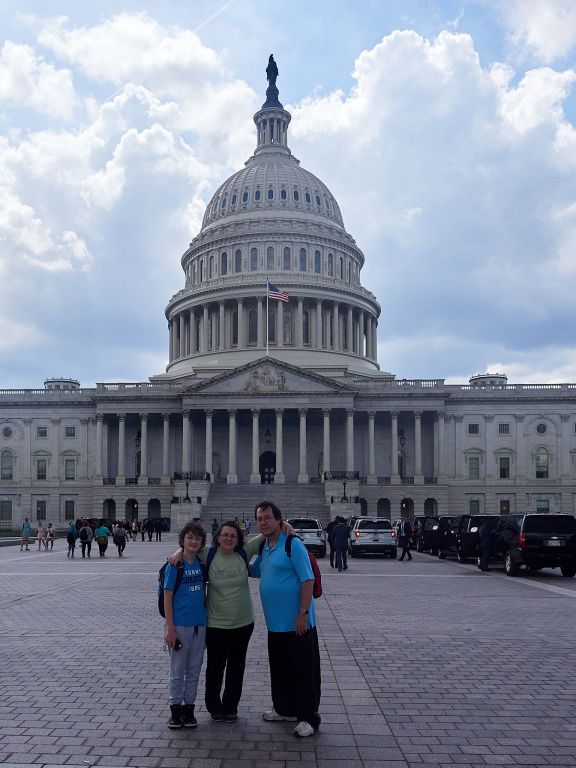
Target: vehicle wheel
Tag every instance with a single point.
(419, 547)
(441, 555)
(433, 552)
(510, 566)
(460, 556)
(568, 570)
(394, 553)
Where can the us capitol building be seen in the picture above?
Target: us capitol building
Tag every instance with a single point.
(282, 389)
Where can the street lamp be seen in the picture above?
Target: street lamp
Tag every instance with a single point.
(344, 497)
(187, 477)
(401, 438)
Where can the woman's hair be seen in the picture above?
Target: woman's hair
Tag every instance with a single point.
(229, 524)
(268, 504)
(194, 528)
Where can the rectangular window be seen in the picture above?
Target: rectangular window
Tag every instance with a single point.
(41, 469)
(543, 506)
(69, 431)
(473, 468)
(5, 513)
(69, 509)
(504, 506)
(41, 431)
(41, 510)
(474, 506)
(70, 469)
(504, 467)
(473, 429)
(503, 429)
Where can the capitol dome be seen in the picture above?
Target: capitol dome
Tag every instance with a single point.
(272, 222)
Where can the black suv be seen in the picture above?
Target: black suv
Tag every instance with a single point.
(417, 523)
(461, 537)
(535, 541)
(448, 538)
(431, 533)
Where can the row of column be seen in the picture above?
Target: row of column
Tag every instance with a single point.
(303, 477)
(329, 325)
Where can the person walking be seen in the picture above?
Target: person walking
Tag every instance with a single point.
(142, 527)
(86, 536)
(101, 535)
(329, 528)
(120, 539)
(340, 538)
(71, 536)
(41, 536)
(404, 538)
(286, 584)
(149, 528)
(158, 528)
(26, 531)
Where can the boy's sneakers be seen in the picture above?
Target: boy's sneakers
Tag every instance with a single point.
(175, 716)
(303, 730)
(188, 719)
(271, 716)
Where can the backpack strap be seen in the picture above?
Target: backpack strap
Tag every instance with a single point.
(179, 576)
(209, 557)
(288, 545)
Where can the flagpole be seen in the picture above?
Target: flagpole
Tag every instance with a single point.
(267, 314)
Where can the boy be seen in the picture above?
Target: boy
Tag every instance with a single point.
(26, 531)
(186, 620)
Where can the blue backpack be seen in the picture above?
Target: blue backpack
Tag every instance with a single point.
(179, 577)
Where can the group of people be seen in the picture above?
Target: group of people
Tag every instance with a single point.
(338, 534)
(45, 535)
(207, 604)
(86, 532)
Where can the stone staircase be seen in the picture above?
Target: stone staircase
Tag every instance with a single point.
(230, 501)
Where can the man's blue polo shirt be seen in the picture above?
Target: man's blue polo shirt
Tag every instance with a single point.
(280, 580)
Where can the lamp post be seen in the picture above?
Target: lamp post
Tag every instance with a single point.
(187, 477)
(344, 497)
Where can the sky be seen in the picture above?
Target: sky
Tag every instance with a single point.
(446, 131)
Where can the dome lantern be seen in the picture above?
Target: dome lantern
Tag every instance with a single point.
(272, 120)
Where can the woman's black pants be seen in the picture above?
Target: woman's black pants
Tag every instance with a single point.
(226, 651)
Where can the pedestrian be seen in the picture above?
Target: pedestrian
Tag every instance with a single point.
(41, 536)
(158, 528)
(71, 536)
(186, 620)
(101, 535)
(329, 528)
(142, 529)
(26, 531)
(340, 537)
(86, 536)
(50, 536)
(484, 534)
(120, 539)
(247, 531)
(134, 529)
(149, 528)
(405, 537)
(286, 584)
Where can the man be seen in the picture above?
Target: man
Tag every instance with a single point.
(26, 531)
(340, 536)
(329, 528)
(286, 584)
(158, 529)
(404, 536)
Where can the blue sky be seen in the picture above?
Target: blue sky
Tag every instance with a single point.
(446, 130)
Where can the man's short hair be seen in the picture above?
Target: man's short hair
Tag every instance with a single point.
(194, 528)
(268, 505)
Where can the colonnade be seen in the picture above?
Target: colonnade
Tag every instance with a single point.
(240, 323)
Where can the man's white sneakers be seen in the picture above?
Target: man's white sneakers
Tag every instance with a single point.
(303, 729)
(271, 716)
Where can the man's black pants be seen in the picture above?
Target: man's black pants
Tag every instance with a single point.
(295, 675)
(406, 548)
(341, 558)
(226, 650)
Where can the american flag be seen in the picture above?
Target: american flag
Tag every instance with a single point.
(275, 293)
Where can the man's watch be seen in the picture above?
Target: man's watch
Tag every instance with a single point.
(304, 613)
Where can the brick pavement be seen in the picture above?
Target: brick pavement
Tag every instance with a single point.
(429, 664)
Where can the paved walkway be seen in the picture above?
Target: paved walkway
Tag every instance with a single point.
(428, 663)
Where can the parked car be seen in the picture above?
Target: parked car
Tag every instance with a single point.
(468, 539)
(373, 534)
(430, 533)
(312, 534)
(417, 523)
(535, 542)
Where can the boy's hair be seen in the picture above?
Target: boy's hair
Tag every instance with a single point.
(268, 505)
(194, 528)
(229, 524)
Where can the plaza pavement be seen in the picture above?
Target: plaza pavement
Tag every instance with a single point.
(429, 663)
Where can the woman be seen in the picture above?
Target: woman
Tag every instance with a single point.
(101, 535)
(41, 536)
(120, 539)
(50, 536)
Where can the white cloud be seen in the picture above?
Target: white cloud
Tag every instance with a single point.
(547, 28)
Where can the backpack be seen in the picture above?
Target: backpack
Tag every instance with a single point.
(317, 588)
(212, 554)
(179, 577)
(83, 534)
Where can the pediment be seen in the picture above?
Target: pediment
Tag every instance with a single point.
(268, 377)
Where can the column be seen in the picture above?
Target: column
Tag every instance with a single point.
(372, 478)
(204, 330)
(165, 480)
(241, 330)
(326, 440)
(441, 425)
(318, 324)
(458, 450)
(520, 450)
(302, 468)
(99, 418)
(435, 446)
(170, 341)
(563, 469)
(232, 476)
(208, 444)
(143, 478)
(279, 475)
(350, 330)
(260, 331)
(121, 448)
(182, 336)
(280, 326)
(350, 440)
(489, 446)
(186, 441)
(359, 330)
(255, 476)
(300, 323)
(418, 478)
(336, 326)
(394, 475)
(221, 327)
(192, 334)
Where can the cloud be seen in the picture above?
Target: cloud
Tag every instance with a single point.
(545, 28)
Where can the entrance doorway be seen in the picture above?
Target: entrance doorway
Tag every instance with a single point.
(267, 467)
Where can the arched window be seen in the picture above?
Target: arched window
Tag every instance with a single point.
(317, 262)
(234, 199)
(303, 260)
(330, 264)
(283, 194)
(257, 195)
(223, 204)
(287, 258)
(6, 465)
(306, 327)
(318, 202)
(272, 323)
(288, 334)
(212, 265)
(270, 194)
(270, 257)
(224, 263)
(253, 259)
(340, 272)
(296, 195)
(542, 464)
(307, 198)
(194, 273)
(252, 326)
(201, 270)
(245, 196)
(348, 270)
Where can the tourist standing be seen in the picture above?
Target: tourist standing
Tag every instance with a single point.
(50, 536)
(71, 536)
(41, 536)
(26, 531)
(101, 535)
